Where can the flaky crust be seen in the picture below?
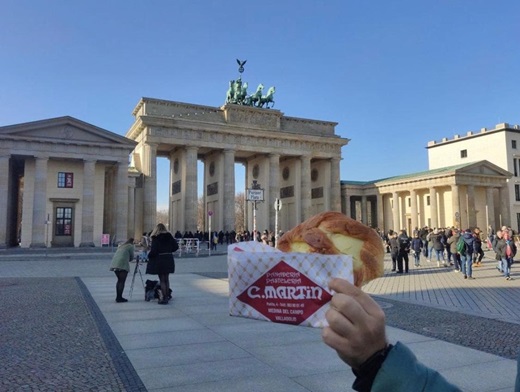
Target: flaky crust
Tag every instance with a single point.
(315, 232)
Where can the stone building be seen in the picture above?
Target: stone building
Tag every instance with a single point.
(500, 146)
(465, 195)
(64, 182)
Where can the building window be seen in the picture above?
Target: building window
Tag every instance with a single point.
(513, 144)
(463, 153)
(515, 166)
(518, 222)
(63, 225)
(409, 202)
(65, 180)
(427, 200)
(517, 192)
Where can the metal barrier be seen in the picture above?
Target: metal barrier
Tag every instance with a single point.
(189, 245)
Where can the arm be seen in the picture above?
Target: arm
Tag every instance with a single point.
(357, 332)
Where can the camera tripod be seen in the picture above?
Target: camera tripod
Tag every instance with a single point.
(137, 269)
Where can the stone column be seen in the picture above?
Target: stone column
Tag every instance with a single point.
(503, 196)
(121, 202)
(413, 210)
(455, 206)
(132, 232)
(87, 205)
(229, 191)
(364, 213)
(274, 187)
(4, 185)
(335, 185)
(380, 212)
(150, 187)
(348, 209)
(306, 186)
(433, 208)
(395, 201)
(472, 215)
(490, 208)
(191, 201)
(40, 204)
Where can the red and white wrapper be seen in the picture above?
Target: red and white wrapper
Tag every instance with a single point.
(291, 288)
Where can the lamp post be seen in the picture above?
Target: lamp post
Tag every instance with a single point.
(255, 194)
(210, 213)
(277, 208)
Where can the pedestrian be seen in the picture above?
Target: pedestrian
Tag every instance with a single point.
(478, 253)
(452, 243)
(496, 238)
(404, 248)
(429, 244)
(417, 246)
(447, 235)
(437, 244)
(161, 261)
(394, 249)
(121, 266)
(466, 256)
(506, 249)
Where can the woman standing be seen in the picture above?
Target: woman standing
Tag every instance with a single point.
(121, 266)
(160, 259)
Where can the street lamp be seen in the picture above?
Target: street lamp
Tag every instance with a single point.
(255, 194)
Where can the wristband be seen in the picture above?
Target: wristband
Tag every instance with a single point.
(367, 371)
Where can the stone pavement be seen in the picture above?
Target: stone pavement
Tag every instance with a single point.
(61, 330)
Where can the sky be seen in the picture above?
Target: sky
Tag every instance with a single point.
(394, 75)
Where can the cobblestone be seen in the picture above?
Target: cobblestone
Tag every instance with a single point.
(51, 340)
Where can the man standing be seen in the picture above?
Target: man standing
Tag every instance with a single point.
(394, 248)
(452, 244)
(466, 259)
(404, 248)
(506, 249)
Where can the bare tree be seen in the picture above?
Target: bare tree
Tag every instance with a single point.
(240, 211)
(162, 217)
(200, 214)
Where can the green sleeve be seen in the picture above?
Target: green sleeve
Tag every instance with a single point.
(401, 371)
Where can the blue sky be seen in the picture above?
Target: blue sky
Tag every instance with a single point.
(393, 74)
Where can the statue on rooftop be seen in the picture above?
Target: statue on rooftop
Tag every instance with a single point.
(237, 92)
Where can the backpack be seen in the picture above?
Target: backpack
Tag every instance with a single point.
(461, 246)
(404, 243)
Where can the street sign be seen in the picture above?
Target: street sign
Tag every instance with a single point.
(210, 213)
(277, 204)
(255, 195)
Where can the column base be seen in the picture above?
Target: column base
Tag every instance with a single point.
(87, 245)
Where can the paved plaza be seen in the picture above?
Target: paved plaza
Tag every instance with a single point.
(61, 329)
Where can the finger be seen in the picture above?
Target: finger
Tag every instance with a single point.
(348, 307)
(345, 287)
(339, 322)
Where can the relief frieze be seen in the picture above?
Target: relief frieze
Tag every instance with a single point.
(235, 141)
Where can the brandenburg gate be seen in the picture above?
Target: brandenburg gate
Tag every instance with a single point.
(294, 159)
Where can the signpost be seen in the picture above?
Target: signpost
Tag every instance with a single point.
(255, 194)
(277, 208)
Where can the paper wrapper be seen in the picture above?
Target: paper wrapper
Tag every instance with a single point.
(291, 288)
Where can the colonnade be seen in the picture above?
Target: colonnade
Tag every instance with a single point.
(184, 183)
(444, 205)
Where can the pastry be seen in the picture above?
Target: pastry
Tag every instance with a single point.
(335, 233)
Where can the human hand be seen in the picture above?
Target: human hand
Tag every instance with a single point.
(356, 324)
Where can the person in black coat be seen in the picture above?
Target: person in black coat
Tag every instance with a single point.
(160, 259)
(417, 246)
(394, 249)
